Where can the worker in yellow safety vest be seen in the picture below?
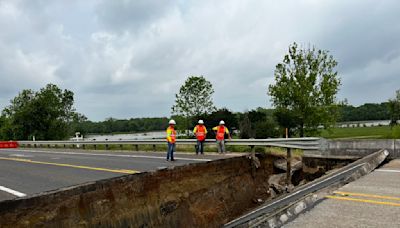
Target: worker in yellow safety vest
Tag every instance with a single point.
(171, 139)
(220, 132)
(200, 131)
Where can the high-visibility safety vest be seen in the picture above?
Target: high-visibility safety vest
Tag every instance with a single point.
(171, 135)
(220, 133)
(200, 132)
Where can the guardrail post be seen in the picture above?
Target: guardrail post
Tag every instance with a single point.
(120, 146)
(95, 147)
(137, 147)
(154, 148)
(106, 146)
(288, 167)
(83, 146)
(254, 163)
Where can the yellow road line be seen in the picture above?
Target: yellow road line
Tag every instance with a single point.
(367, 195)
(364, 201)
(125, 171)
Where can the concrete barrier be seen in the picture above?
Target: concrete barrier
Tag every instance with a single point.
(359, 147)
(396, 152)
(195, 195)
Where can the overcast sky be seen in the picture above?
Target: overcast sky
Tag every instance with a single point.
(128, 58)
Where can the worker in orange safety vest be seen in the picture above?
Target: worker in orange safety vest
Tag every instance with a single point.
(201, 132)
(171, 139)
(220, 132)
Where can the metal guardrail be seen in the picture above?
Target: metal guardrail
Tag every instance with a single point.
(310, 143)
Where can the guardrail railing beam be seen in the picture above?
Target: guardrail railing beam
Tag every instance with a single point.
(311, 143)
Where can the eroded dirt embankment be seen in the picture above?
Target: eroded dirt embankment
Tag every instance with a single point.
(196, 195)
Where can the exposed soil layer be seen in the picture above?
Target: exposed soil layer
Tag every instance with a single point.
(196, 195)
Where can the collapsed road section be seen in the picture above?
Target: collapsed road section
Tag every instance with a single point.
(277, 212)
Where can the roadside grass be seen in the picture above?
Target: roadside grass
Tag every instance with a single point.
(376, 132)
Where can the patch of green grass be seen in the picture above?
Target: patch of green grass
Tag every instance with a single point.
(376, 132)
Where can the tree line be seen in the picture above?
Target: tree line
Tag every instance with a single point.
(112, 125)
(368, 111)
(48, 114)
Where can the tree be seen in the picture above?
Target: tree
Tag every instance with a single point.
(224, 114)
(286, 120)
(246, 128)
(258, 123)
(78, 124)
(5, 128)
(194, 99)
(306, 88)
(266, 129)
(45, 114)
(394, 109)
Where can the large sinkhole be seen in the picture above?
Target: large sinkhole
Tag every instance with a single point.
(195, 195)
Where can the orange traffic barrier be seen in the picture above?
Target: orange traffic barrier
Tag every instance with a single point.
(8, 144)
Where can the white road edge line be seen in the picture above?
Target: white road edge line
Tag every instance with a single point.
(388, 170)
(13, 192)
(113, 155)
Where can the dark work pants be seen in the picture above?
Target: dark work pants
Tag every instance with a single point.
(170, 152)
(200, 147)
(221, 146)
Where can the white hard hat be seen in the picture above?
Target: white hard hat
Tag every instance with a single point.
(201, 122)
(172, 122)
(221, 122)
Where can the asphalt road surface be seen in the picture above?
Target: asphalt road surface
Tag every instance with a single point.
(25, 172)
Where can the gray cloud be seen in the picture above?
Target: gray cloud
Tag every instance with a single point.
(120, 16)
(128, 58)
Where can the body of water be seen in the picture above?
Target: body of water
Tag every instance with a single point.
(367, 123)
(113, 137)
